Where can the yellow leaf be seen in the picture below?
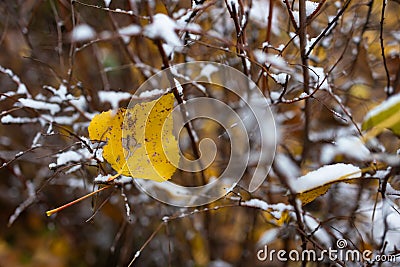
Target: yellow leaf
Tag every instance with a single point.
(317, 183)
(107, 126)
(310, 195)
(140, 141)
(384, 116)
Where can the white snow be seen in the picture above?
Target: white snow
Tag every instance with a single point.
(61, 94)
(152, 93)
(219, 263)
(277, 62)
(107, 3)
(275, 95)
(208, 70)
(319, 232)
(280, 77)
(267, 237)
(35, 104)
(163, 27)
(296, 17)
(113, 97)
(82, 32)
(396, 34)
(324, 175)
(233, 5)
(377, 220)
(286, 166)
(311, 7)
(128, 31)
(391, 193)
(52, 165)
(169, 50)
(318, 75)
(351, 146)
(178, 86)
(22, 89)
(65, 120)
(303, 95)
(72, 156)
(230, 189)
(27, 202)
(123, 180)
(68, 156)
(267, 45)
(137, 254)
(35, 141)
(102, 178)
(74, 169)
(96, 147)
(21, 86)
(331, 133)
(259, 13)
(260, 56)
(19, 120)
(79, 102)
(385, 105)
(256, 203)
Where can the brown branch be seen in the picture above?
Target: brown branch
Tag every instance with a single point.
(240, 35)
(329, 27)
(59, 24)
(365, 26)
(389, 91)
(268, 40)
(289, 9)
(306, 75)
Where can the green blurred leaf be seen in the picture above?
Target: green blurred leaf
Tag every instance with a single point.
(384, 116)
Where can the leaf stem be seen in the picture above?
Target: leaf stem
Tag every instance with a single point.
(51, 212)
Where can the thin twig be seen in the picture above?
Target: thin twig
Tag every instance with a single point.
(137, 254)
(329, 26)
(389, 90)
(306, 76)
(50, 212)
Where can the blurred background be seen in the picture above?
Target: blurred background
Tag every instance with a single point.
(65, 53)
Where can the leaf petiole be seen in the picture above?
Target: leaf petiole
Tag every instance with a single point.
(51, 212)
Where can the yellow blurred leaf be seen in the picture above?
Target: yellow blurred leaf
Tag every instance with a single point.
(317, 183)
(360, 90)
(384, 116)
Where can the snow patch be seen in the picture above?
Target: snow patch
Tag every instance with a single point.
(102, 178)
(163, 27)
(260, 56)
(113, 97)
(280, 78)
(324, 175)
(18, 120)
(152, 93)
(128, 31)
(83, 32)
(107, 3)
(35, 104)
(350, 146)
